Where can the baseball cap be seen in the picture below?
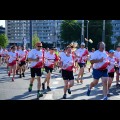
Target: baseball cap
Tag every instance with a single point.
(83, 43)
(111, 51)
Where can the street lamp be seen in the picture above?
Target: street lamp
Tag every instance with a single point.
(30, 34)
(103, 34)
(82, 32)
(87, 32)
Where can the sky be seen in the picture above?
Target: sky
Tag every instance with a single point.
(2, 22)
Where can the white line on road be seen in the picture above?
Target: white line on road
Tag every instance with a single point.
(55, 82)
(48, 97)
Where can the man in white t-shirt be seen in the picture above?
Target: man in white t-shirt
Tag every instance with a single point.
(117, 56)
(35, 56)
(100, 64)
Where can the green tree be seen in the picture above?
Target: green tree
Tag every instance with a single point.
(70, 31)
(3, 40)
(118, 40)
(95, 33)
(35, 39)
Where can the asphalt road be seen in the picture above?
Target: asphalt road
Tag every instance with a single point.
(18, 90)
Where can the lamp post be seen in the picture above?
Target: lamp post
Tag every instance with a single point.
(87, 32)
(82, 32)
(30, 34)
(103, 34)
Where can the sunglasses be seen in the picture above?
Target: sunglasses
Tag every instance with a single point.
(39, 46)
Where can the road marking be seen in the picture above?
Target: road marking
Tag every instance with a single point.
(58, 79)
(55, 82)
(48, 97)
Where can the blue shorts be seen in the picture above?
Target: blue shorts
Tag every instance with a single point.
(97, 74)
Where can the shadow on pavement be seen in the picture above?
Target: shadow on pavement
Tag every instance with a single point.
(25, 95)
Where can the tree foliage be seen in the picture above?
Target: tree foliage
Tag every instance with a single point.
(4, 40)
(70, 31)
(35, 39)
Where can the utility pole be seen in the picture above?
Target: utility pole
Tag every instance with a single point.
(103, 34)
(82, 32)
(30, 34)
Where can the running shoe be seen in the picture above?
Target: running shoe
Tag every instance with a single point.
(88, 92)
(12, 79)
(30, 88)
(69, 91)
(39, 95)
(48, 88)
(64, 96)
(9, 74)
(105, 98)
(23, 74)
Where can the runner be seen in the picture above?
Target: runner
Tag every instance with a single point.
(67, 65)
(117, 56)
(81, 55)
(111, 68)
(4, 54)
(22, 54)
(12, 57)
(91, 53)
(36, 58)
(100, 63)
(50, 60)
(18, 48)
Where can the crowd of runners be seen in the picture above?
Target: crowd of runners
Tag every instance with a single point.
(104, 65)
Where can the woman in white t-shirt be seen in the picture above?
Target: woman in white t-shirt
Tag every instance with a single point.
(67, 65)
(13, 56)
(50, 59)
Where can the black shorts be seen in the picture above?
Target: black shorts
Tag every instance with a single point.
(111, 74)
(36, 71)
(67, 75)
(81, 65)
(48, 69)
(116, 69)
(22, 63)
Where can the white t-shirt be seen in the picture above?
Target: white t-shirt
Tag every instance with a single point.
(112, 64)
(117, 55)
(98, 55)
(34, 54)
(50, 59)
(68, 63)
(12, 57)
(83, 54)
(4, 52)
(62, 55)
(22, 55)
